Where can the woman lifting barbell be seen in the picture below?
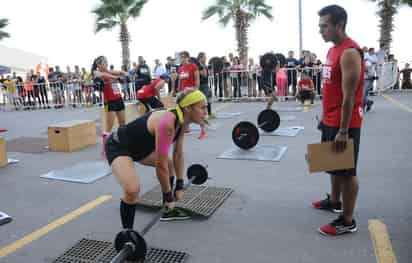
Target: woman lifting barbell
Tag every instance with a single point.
(147, 140)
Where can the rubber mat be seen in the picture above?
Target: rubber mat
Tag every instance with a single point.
(98, 251)
(84, 172)
(198, 199)
(271, 153)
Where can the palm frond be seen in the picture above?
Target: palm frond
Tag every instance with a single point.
(211, 11)
(4, 35)
(136, 9)
(107, 24)
(106, 11)
(407, 2)
(224, 20)
(3, 23)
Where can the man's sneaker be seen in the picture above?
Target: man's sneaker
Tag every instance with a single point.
(326, 204)
(211, 116)
(174, 214)
(338, 227)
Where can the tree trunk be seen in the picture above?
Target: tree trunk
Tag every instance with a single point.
(241, 26)
(124, 40)
(386, 13)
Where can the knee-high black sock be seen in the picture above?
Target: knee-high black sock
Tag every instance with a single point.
(127, 212)
(209, 108)
(172, 181)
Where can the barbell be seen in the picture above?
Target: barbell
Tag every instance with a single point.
(130, 244)
(246, 135)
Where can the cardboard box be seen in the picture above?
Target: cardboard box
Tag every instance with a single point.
(321, 157)
(70, 136)
(132, 110)
(3, 153)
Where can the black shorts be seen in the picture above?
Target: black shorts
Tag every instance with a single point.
(153, 102)
(114, 105)
(329, 134)
(114, 149)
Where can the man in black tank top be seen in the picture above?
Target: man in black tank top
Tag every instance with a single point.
(147, 140)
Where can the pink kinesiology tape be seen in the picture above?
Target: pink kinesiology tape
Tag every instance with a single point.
(165, 139)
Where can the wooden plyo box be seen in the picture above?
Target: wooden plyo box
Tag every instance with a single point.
(133, 111)
(3, 153)
(70, 136)
(321, 158)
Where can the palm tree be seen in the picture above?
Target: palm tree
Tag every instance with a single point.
(241, 12)
(112, 13)
(3, 23)
(386, 12)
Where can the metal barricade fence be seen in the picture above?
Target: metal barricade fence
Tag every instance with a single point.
(250, 84)
(226, 85)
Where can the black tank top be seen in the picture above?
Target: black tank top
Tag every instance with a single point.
(136, 137)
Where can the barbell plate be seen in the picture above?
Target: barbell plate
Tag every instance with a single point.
(268, 120)
(136, 239)
(199, 172)
(245, 135)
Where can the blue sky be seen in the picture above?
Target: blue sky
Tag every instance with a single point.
(62, 30)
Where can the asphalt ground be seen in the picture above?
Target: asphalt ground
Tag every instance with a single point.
(268, 218)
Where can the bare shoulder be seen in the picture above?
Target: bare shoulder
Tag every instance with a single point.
(351, 55)
(157, 117)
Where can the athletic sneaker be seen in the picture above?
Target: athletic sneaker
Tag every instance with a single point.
(202, 134)
(326, 204)
(338, 227)
(174, 214)
(211, 116)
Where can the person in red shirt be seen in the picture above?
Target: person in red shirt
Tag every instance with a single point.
(113, 102)
(342, 92)
(305, 89)
(189, 78)
(149, 95)
(188, 73)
